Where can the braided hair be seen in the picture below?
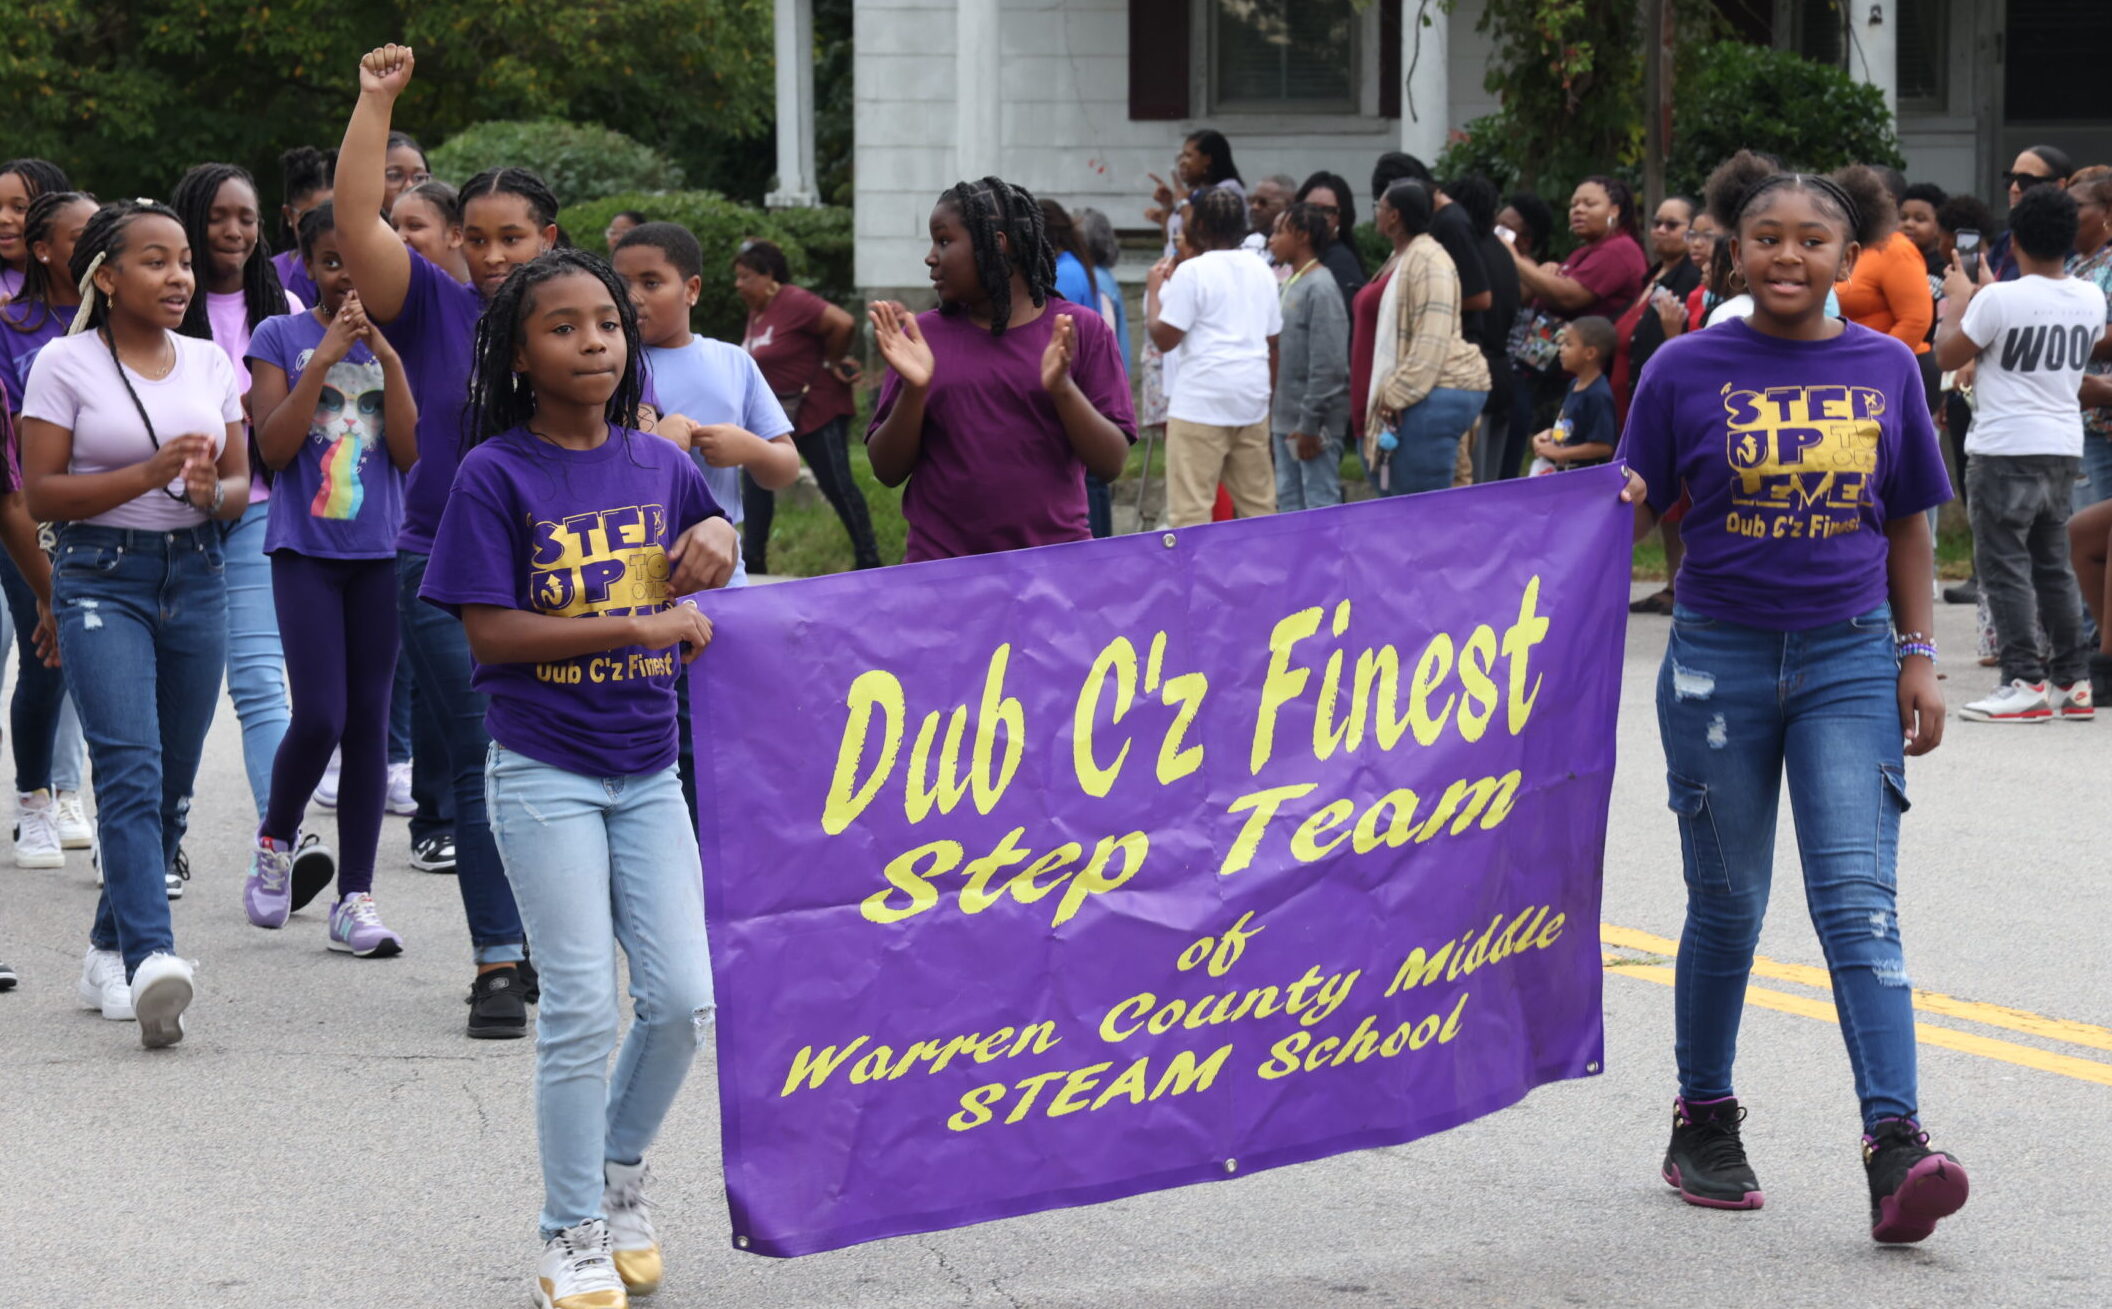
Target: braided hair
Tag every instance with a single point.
(988, 208)
(102, 241)
(262, 295)
(542, 201)
(501, 399)
(37, 225)
(303, 171)
(443, 198)
(38, 175)
(1218, 219)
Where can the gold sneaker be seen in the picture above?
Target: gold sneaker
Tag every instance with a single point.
(577, 1272)
(631, 1238)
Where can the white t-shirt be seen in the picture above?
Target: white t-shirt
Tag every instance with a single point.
(1226, 301)
(2035, 336)
(74, 385)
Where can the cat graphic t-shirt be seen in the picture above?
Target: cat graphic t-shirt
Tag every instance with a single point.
(574, 534)
(1797, 454)
(341, 497)
(2035, 337)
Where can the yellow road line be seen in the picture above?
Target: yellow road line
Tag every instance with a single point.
(1932, 1002)
(1987, 1047)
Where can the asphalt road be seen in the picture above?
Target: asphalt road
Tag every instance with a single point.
(327, 1136)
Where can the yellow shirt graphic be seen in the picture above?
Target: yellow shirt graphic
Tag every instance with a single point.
(1804, 457)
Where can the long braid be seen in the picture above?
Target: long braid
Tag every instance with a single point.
(102, 241)
(501, 399)
(35, 297)
(988, 208)
(262, 295)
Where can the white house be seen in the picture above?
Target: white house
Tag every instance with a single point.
(1082, 99)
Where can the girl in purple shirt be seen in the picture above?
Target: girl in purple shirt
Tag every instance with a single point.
(565, 543)
(1798, 643)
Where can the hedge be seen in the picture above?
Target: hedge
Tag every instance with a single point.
(580, 161)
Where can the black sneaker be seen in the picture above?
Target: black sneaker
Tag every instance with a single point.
(179, 872)
(498, 1011)
(531, 980)
(435, 854)
(1911, 1186)
(1966, 592)
(1706, 1160)
(7, 977)
(314, 867)
(2101, 678)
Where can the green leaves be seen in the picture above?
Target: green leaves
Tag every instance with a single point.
(1812, 116)
(580, 162)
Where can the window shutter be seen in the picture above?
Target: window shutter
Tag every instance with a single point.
(1158, 59)
(1390, 73)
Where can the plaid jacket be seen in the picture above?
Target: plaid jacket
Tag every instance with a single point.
(1429, 351)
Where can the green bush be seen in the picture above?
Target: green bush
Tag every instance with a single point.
(719, 224)
(1482, 146)
(1375, 249)
(1811, 115)
(580, 161)
(827, 235)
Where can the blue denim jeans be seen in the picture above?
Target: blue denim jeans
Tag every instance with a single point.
(438, 651)
(143, 633)
(40, 692)
(598, 862)
(256, 666)
(1429, 432)
(400, 714)
(2097, 471)
(1736, 707)
(1311, 483)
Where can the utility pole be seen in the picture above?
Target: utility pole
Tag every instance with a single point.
(1657, 100)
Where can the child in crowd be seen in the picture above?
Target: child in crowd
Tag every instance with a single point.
(1785, 654)
(1221, 309)
(2030, 340)
(1311, 410)
(337, 424)
(239, 291)
(21, 181)
(428, 217)
(304, 181)
(1587, 430)
(132, 441)
(509, 217)
(999, 401)
(50, 817)
(560, 513)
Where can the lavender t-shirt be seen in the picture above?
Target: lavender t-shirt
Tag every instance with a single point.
(74, 384)
(1797, 455)
(996, 471)
(574, 534)
(340, 497)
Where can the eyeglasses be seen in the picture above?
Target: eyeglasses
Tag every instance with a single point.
(1665, 224)
(405, 177)
(2025, 181)
(1332, 211)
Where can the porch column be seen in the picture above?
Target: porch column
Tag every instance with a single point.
(978, 125)
(1873, 48)
(795, 107)
(1426, 99)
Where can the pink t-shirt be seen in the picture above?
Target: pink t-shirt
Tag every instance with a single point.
(228, 315)
(74, 385)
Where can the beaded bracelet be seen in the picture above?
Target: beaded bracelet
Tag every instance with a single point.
(1916, 643)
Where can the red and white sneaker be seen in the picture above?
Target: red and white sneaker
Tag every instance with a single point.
(2074, 703)
(2018, 702)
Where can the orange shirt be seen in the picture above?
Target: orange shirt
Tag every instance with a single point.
(1889, 292)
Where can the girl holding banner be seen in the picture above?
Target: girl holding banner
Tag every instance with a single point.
(1798, 641)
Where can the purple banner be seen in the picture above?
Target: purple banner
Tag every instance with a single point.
(1046, 878)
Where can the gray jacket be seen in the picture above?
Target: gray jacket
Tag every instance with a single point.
(1312, 361)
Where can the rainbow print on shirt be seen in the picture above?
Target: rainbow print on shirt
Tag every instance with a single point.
(1803, 456)
(347, 424)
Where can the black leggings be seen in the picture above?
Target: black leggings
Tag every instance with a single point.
(827, 452)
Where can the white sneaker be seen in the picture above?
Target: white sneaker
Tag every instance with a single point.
(162, 988)
(2074, 703)
(2018, 702)
(75, 831)
(578, 1272)
(401, 802)
(103, 986)
(326, 790)
(37, 832)
(179, 872)
(631, 1238)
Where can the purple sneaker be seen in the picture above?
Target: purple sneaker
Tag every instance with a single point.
(356, 929)
(267, 894)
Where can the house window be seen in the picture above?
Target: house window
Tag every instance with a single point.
(1924, 54)
(1284, 56)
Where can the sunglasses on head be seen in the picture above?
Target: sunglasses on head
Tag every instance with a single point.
(2025, 181)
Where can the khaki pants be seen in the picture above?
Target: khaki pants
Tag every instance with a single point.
(1463, 468)
(1200, 455)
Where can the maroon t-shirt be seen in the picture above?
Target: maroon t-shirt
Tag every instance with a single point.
(1611, 268)
(1363, 346)
(785, 339)
(995, 470)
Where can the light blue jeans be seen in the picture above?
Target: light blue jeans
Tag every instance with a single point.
(596, 862)
(1313, 483)
(1429, 433)
(1738, 707)
(256, 665)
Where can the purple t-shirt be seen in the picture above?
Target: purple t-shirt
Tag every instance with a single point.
(996, 471)
(1797, 454)
(341, 496)
(293, 275)
(24, 330)
(576, 534)
(435, 332)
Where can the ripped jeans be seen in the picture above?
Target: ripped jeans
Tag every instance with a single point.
(596, 862)
(1735, 706)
